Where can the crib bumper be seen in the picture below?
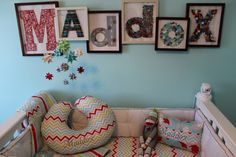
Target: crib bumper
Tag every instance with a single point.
(11, 128)
(125, 119)
(15, 137)
(219, 134)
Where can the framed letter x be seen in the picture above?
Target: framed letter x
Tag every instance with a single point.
(205, 23)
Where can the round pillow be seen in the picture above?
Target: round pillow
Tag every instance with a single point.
(62, 139)
(77, 120)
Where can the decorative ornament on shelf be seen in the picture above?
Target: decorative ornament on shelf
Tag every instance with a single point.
(63, 48)
(205, 92)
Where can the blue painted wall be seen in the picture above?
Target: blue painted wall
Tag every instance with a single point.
(139, 77)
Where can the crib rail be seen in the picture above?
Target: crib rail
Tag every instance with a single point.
(222, 126)
(11, 127)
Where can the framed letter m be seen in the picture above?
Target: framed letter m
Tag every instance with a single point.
(37, 27)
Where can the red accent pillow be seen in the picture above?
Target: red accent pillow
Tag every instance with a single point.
(181, 134)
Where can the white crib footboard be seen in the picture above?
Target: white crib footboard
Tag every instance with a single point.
(15, 136)
(10, 126)
(223, 130)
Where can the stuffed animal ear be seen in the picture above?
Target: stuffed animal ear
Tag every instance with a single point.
(155, 110)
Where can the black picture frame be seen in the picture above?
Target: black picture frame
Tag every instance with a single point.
(81, 18)
(26, 40)
(172, 33)
(206, 22)
(138, 21)
(100, 27)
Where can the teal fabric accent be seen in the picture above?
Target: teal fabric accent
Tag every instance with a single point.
(181, 134)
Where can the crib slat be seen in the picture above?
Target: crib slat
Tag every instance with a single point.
(10, 126)
(224, 126)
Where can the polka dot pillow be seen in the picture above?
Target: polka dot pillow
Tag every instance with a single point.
(181, 134)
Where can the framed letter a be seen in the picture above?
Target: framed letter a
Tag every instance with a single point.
(72, 23)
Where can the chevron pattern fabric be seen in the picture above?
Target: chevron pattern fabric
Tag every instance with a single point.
(64, 140)
(127, 147)
(98, 152)
(36, 108)
(163, 150)
(180, 134)
(122, 147)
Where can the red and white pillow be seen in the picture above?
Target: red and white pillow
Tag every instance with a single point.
(62, 139)
(181, 134)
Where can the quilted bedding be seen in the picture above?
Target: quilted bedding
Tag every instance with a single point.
(123, 147)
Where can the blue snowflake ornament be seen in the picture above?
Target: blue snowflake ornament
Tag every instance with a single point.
(71, 57)
(57, 53)
(66, 82)
(59, 69)
(72, 76)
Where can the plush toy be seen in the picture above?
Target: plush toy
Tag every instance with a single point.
(148, 140)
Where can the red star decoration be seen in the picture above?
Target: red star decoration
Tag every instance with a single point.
(49, 76)
(80, 70)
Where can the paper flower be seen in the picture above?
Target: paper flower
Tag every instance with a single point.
(49, 76)
(63, 49)
(47, 57)
(71, 57)
(57, 53)
(80, 70)
(58, 69)
(66, 82)
(63, 46)
(72, 76)
(78, 52)
(64, 67)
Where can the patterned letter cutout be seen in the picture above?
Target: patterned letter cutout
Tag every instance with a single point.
(145, 24)
(31, 23)
(172, 34)
(109, 34)
(203, 25)
(71, 16)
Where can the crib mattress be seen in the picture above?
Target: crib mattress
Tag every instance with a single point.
(124, 147)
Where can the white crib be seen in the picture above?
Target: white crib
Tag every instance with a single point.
(218, 139)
